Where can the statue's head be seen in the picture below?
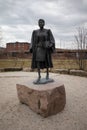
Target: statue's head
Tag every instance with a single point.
(41, 23)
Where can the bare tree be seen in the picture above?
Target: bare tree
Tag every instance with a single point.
(1, 42)
(0, 36)
(81, 42)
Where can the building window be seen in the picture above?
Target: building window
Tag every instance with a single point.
(14, 45)
(18, 45)
(23, 45)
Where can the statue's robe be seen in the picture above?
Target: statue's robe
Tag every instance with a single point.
(42, 46)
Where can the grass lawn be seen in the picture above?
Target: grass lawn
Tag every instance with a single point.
(7, 63)
(58, 63)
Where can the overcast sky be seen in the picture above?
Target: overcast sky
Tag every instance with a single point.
(18, 18)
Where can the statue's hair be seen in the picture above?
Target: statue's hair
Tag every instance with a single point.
(41, 20)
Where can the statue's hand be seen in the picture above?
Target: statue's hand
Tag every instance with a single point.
(50, 45)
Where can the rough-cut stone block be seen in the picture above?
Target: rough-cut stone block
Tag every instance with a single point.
(78, 72)
(61, 71)
(46, 100)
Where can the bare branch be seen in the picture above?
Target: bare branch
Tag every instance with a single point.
(81, 41)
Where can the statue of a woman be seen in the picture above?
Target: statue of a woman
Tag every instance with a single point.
(42, 46)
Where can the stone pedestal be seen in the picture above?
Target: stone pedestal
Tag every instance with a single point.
(45, 99)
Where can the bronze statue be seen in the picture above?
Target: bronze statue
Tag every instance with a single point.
(42, 46)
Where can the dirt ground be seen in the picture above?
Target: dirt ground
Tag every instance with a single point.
(17, 116)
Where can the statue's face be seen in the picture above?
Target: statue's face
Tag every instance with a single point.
(41, 23)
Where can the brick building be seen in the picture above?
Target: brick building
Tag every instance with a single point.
(2, 49)
(21, 50)
(17, 48)
(70, 54)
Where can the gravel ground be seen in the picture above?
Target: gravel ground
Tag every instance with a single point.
(17, 116)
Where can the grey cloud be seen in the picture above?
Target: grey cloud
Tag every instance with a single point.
(15, 12)
(62, 16)
(76, 6)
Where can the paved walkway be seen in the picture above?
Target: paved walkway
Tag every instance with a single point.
(16, 116)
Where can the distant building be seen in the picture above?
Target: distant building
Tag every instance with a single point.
(17, 48)
(70, 54)
(2, 49)
(21, 50)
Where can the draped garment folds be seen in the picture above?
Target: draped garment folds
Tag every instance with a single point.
(42, 46)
